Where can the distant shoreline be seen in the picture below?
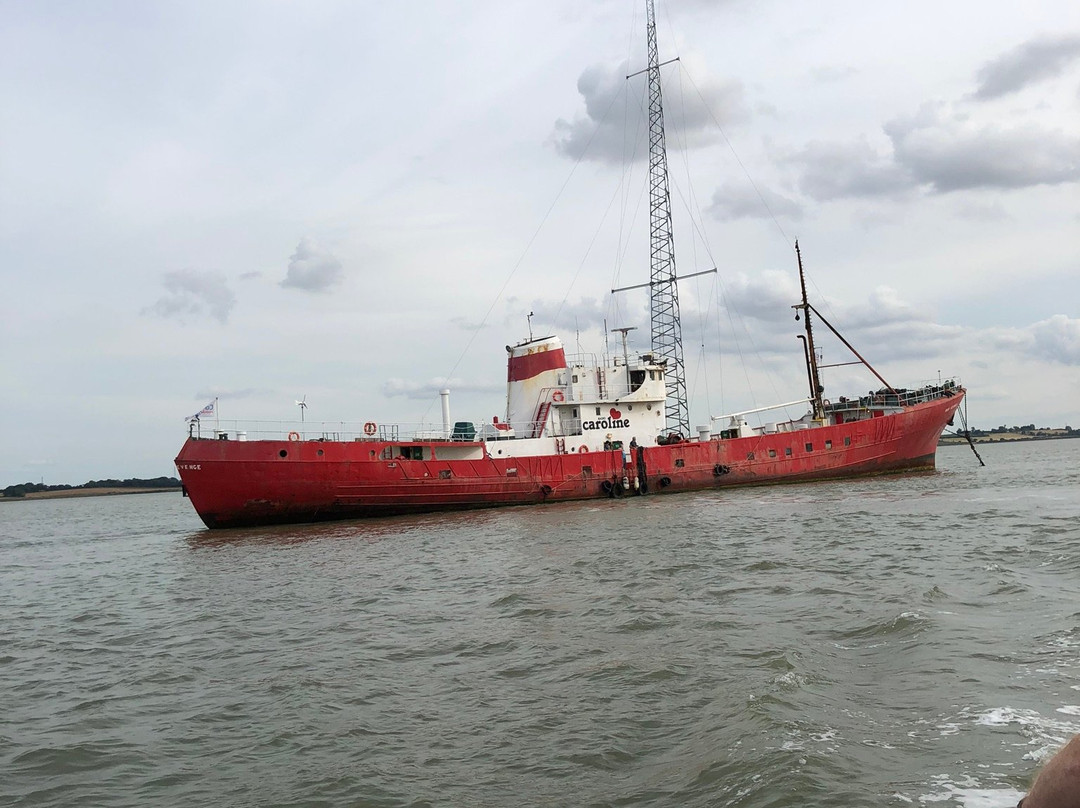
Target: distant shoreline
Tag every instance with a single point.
(87, 492)
(1001, 437)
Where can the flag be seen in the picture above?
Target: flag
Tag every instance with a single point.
(207, 410)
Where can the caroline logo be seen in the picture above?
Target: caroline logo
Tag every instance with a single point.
(613, 421)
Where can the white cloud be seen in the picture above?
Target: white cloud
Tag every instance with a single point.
(611, 100)
(1055, 339)
(313, 269)
(741, 201)
(951, 152)
(829, 171)
(429, 390)
(1027, 63)
(194, 292)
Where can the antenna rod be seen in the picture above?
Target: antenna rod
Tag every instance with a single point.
(626, 353)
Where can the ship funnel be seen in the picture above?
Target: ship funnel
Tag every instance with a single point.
(445, 396)
(534, 369)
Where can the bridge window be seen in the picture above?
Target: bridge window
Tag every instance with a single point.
(847, 440)
(809, 447)
(772, 452)
(679, 462)
(828, 444)
(787, 452)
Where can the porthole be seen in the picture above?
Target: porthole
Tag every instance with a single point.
(283, 453)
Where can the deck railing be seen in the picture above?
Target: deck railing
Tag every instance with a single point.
(212, 429)
(901, 398)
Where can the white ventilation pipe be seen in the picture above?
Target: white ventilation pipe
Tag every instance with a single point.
(445, 396)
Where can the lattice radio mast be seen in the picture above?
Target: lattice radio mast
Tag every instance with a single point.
(663, 289)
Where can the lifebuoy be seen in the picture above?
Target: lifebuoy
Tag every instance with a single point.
(582, 449)
(369, 428)
(557, 395)
(294, 436)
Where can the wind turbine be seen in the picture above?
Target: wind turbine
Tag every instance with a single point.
(302, 404)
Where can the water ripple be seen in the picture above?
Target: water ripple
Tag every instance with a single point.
(902, 640)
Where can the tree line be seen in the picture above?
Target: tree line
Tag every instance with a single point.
(22, 489)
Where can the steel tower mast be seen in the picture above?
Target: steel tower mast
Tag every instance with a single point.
(663, 289)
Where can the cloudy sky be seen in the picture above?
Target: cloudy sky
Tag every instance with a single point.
(356, 202)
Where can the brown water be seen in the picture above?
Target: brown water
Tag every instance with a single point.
(898, 641)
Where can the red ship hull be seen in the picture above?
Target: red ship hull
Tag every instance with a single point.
(245, 483)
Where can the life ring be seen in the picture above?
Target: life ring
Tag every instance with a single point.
(294, 436)
(582, 449)
(369, 428)
(557, 396)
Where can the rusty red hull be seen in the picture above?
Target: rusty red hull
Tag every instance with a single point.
(234, 484)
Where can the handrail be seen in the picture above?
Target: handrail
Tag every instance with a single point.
(760, 409)
(367, 431)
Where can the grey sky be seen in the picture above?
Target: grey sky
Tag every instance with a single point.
(266, 202)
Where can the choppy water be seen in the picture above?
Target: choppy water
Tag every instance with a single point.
(896, 641)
